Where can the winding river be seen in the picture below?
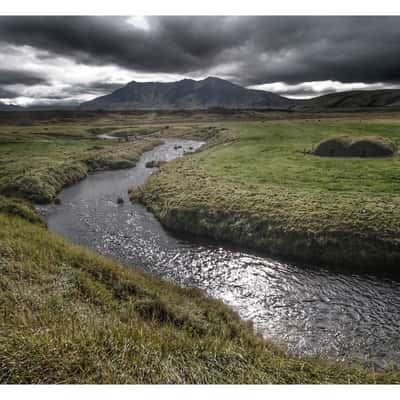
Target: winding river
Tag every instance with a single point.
(310, 311)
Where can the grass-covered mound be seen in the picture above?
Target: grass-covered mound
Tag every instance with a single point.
(262, 191)
(372, 146)
(346, 146)
(71, 316)
(20, 208)
(336, 146)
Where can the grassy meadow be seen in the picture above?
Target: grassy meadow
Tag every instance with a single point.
(262, 189)
(273, 154)
(38, 160)
(68, 315)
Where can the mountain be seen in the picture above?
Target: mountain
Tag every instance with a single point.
(357, 99)
(210, 93)
(9, 107)
(187, 94)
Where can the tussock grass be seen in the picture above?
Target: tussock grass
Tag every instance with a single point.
(20, 208)
(346, 146)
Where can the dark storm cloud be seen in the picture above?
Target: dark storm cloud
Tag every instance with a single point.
(13, 77)
(96, 88)
(301, 49)
(173, 44)
(7, 94)
(100, 87)
(248, 50)
(10, 77)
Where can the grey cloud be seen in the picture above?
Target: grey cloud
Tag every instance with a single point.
(172, 45)
(96, 88)
(7, 94)
(13, 77)
(249, 50)
(259, 49)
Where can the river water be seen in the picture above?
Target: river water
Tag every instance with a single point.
(309, 310)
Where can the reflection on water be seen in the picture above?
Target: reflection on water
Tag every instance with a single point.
(309, 310)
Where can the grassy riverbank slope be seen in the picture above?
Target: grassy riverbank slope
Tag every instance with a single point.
(71, 316)
(262, 191)
(36, 163)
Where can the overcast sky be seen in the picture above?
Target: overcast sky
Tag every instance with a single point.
(72, 59)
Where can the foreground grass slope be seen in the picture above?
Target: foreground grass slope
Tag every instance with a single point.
(68, 315)
(263, 190)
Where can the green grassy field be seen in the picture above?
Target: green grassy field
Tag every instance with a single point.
(263, 190)
(68, 315)
(38, 161)
(272, 154)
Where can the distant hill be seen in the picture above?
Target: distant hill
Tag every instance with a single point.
(187, 94)
(9, 107)
(358, 99)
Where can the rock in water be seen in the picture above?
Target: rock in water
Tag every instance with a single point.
(154, 164)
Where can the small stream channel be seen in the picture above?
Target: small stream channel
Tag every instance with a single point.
(311, 311)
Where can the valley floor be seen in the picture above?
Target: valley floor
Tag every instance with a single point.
(68, 315)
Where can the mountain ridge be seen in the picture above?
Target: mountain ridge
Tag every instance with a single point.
(216, 93)
(187, 94)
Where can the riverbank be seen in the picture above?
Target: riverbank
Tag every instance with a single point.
(71, 316)
(261, 190)
(40, 157)
(62, 166)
